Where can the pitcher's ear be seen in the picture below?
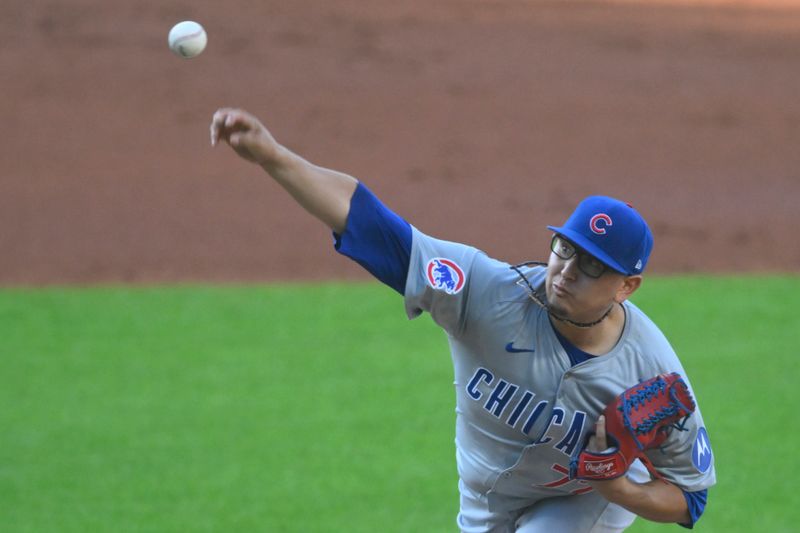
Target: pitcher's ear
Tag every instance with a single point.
(628, 287)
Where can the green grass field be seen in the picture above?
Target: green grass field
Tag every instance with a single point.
(321, 408)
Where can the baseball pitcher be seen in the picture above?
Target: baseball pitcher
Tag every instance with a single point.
(573, 412)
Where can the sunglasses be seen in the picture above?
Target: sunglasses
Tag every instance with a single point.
(587, 264)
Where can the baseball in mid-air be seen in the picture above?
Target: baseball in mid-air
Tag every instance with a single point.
(187, 39)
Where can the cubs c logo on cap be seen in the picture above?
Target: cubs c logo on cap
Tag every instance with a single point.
(445, 275)
(599, 222)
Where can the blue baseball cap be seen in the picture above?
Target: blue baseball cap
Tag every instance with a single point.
(610, 230)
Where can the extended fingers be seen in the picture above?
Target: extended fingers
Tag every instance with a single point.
(225, 121)
(600, 433)
(217, 121)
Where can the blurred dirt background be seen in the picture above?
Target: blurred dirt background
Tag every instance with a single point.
(478, 120)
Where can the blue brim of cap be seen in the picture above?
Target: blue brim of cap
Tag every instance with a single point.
(588, 246)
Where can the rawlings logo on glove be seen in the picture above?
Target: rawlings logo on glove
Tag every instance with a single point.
(637, 420)
(599, 468)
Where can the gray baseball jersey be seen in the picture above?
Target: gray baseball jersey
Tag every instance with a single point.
(522, 408)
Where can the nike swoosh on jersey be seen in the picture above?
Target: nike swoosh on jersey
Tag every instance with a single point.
(510, 349)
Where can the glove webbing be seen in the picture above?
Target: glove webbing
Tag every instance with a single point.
(647, 394)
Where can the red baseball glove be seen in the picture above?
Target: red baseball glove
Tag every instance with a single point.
(637, 420)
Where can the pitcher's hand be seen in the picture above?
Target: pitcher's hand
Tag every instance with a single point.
(245, 134)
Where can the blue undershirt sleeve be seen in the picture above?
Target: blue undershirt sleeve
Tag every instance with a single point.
(377, 239)
(697, 504)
